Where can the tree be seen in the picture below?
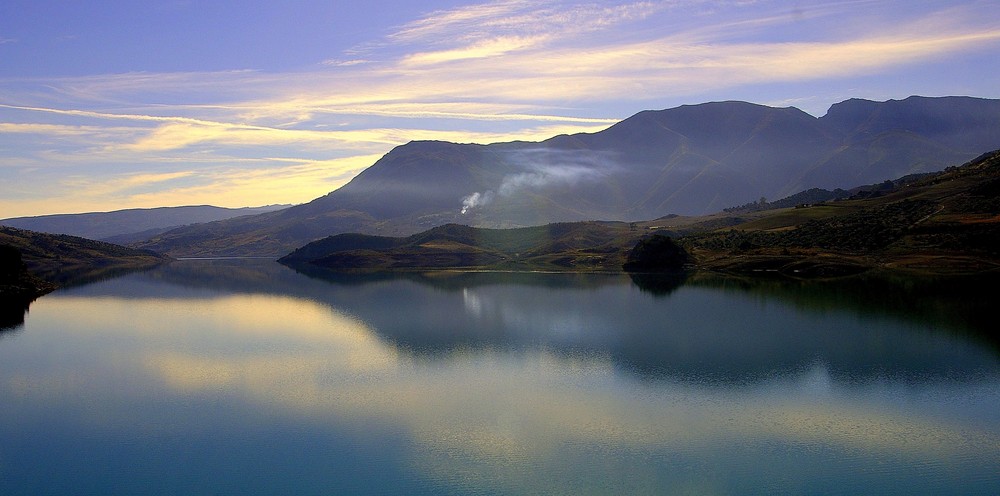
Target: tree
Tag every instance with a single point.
(656, 253)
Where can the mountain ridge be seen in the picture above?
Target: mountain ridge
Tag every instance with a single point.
(132, 224)
(692, 159)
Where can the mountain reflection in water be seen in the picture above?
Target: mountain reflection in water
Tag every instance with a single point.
(721, 328)
(231, 375)
(703, 327)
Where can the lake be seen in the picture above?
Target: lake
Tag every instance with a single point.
(246, 377)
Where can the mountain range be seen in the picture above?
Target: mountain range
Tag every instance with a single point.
(130, 225)
(691, 160)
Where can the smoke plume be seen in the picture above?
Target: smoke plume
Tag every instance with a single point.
(543, 168)
(475, 200)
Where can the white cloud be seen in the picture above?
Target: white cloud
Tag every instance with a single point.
(541, 57)
(483, 49)
(489, 72)
(345, 63)
(513, 18)
(59, 130)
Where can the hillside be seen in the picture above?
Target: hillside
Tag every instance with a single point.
(126, 226)
(580, 245)
(61, 259)
(946, 223)
(689, 160)
(32, 264)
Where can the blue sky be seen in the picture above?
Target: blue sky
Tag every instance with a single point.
(107, 105)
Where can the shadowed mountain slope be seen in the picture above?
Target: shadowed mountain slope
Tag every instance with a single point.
(690, 160)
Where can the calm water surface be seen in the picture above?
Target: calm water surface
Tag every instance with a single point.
(245, 377)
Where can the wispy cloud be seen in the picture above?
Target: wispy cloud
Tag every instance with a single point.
(480, 50)
(231, 183)
(441, 21)
(529, 56)
(460, 111)
(481, 73)
(345, 63)
(230, 186)
(56, 130)
(179, 132)
(683, 61)
(500, 28)
(474, 23)
(118, 186)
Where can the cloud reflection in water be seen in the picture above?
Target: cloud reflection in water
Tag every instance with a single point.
(544, 396)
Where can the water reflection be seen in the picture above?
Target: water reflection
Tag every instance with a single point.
(706, 328)
(12, 314)
(959, 305)
(662, 284)
(710, 329)
(489, 383)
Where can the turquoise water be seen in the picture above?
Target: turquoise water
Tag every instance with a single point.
(245, 377)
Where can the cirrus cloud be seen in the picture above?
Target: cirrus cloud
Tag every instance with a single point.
(479, 73)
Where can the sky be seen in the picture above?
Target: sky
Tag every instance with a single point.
(107, 105)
